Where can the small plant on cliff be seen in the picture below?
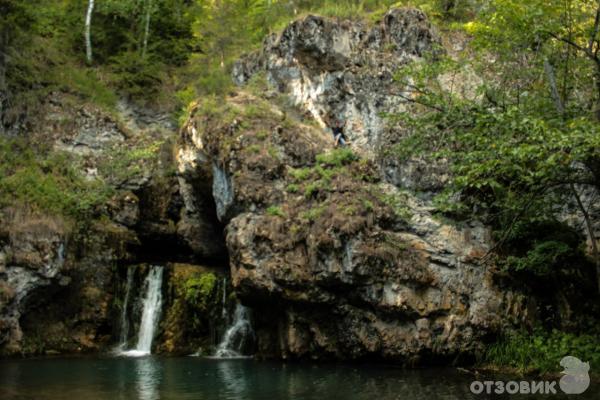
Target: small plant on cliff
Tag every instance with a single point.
(337, 157)
(314, 213)
(300, 174)
(276, 211)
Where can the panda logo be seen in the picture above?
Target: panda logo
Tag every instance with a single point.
(576, 379)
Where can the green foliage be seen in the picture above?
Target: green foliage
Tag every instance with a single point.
(314, 213)
(47, 182)
(368, 205)
(124, 164)
(276, 211)
(200, 289)
(541, 259)
(542, 351)
(315, 187)
(262, 135)
(136, 77)
(253, 148)
(512, 152)
(337, 157)
(396, 200)
(300, 174)
(292, 188)
(44, 48)
(541, 248)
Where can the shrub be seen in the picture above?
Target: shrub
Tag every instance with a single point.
(337, 157)
(541, 247)
(542, 351)
(46, 182)
(301, 174)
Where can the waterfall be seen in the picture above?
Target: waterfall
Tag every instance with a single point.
(224, 300)
(150, 314)
(238, 335)
(124, 320)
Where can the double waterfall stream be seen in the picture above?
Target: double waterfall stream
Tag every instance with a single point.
(234, 340)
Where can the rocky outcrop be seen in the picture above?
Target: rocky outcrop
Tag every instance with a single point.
(335, 262)
(58, 290)
(343, 69)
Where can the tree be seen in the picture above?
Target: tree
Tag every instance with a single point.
(146, 27)
(528, 141)
(88, 30)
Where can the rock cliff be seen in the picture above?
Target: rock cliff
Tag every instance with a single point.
(335, 261)
(339, 252)
(61, 281)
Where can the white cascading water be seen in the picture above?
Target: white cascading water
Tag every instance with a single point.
(237, 336)
(224, 299)
(124, 320)
(150, 313)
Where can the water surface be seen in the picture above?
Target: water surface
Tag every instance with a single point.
(194, 378)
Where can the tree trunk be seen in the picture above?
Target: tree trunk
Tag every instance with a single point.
(590, 228)
(597, 110)
(88, 31)
(146, 28)
(553, 87)
(3, 86)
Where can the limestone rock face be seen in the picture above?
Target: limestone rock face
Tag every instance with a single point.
(342, 69)
(335, 262)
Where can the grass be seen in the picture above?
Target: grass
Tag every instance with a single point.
(301, 174)
(314, 213)
(262, 135)
(127, 163)
(48, 182)
(254, 148)
(292, 188)
(541, 351)
(276, 211)
(397, 201)
(88, 83)
(349, 9)
(337, 157)
(368, 205)
(314, 187)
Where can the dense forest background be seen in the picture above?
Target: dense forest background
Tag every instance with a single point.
(522, 144)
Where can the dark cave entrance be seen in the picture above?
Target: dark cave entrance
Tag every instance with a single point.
(168, 232)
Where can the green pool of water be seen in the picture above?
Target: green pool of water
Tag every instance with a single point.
(193, 378)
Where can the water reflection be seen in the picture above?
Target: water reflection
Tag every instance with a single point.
(149, 377)
(233, 378)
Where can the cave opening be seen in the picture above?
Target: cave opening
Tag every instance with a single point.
(169, 232)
